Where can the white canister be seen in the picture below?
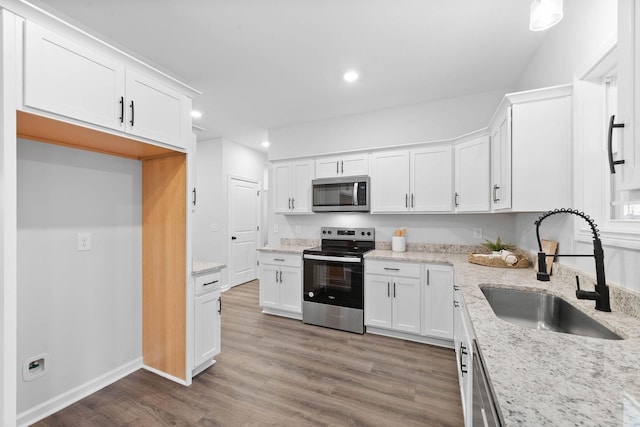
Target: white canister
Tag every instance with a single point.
(398, 243)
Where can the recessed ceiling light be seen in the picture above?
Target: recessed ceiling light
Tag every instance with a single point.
(196, 114)
(265, 144)
(351, 76)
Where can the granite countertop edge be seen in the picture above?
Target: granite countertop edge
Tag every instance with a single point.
(205, 267)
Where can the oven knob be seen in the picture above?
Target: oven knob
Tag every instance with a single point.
(368, 233)
(329, 231)
(311, 295)
(362, 233)
(324, 231)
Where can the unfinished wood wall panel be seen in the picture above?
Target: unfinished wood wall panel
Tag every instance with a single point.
(164, 264)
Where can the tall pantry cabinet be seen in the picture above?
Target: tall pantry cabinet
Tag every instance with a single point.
(83, 94)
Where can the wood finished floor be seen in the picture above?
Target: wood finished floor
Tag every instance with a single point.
(281, 372)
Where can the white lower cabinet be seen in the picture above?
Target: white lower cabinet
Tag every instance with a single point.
(281, 284)
(207, 310)
(400, 301)
(437, 319)
(463, 341)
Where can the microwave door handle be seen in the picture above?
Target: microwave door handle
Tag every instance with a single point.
(355, 194)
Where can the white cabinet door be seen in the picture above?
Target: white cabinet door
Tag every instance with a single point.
(302, 174)
(155, 111)
(269, 286)
(541, 181)
(68, 79)
(281, 177)
(501, 162)
(207, 312)
(377, 301)
(432, 180)
(438, 302)
(390, 182)
(290, 282)
(472, 162)
(406, 304)
(628, 94)
(352, 165)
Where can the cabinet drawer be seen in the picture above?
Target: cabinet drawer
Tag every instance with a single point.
(393, 268)
(278, 258)
(207, 283)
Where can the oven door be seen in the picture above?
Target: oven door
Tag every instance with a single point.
(334, 280)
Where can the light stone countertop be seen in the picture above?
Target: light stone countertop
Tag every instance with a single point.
(285, 249)
(205, 267)
(543, 378)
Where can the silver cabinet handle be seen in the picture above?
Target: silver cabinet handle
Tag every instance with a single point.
(337, 167)
(428, 277)
(279, 259)
(406, 200)
(293, 204)
(276, 277)
(289, 203)
(388, 289)
(342, 166)
(412, 201)
(456, 199)
(210, 283)
(394, 289)
(280, 276)
(391, 269)
(220, 305)
(495, 196)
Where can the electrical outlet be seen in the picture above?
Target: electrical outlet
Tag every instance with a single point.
(298, 229)
(477, 233)
(84, 241)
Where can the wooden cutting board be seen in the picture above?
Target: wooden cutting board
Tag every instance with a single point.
(548, 247)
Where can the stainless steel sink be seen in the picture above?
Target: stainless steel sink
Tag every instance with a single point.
(538, 310)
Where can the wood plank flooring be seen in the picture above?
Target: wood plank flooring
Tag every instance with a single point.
(281, 372)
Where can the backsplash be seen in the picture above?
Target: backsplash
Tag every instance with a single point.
(435, 247)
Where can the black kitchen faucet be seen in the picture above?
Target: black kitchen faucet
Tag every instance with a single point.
(601, 293)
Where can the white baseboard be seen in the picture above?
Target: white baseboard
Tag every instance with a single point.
(440, 342)
(57, 403)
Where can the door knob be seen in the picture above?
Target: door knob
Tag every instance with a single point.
(234, 238)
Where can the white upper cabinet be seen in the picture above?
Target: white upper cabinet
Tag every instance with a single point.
(431, 173)
(472, 175)
(628, 94)
(335, 166)
(292, 189)
(419, 180)
(71, 79)
(500, 161)
(155, 111)
(541, 153)
(390, 182)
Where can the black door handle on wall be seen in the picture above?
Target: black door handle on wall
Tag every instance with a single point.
(122, 109)
(233, 238)
(612, 162)
(133, 111)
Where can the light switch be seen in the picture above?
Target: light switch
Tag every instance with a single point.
(84, 241)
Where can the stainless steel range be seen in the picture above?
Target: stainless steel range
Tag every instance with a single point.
(334, 279)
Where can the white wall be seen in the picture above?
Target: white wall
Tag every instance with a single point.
(216, 160)
(433, 121)
(84, 309)
(587, 27)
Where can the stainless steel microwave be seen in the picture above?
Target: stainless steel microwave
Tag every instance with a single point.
(343, 194)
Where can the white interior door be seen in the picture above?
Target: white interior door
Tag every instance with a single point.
(243, 230)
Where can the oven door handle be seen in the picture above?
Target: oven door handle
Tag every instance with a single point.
(354, 260)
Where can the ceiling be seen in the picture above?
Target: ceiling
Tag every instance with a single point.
(262, 64)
